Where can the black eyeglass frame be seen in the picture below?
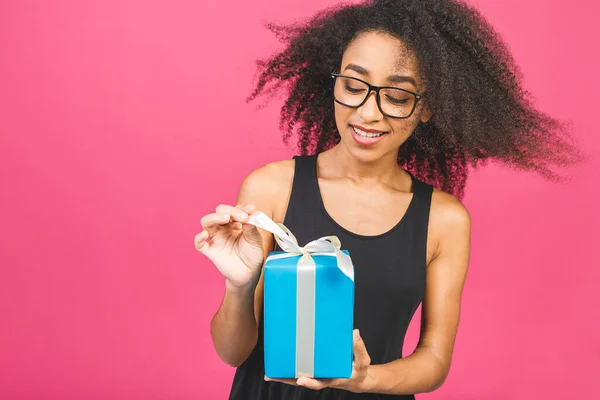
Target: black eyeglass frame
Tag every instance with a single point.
(418, 96)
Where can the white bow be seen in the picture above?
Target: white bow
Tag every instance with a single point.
(326, 245)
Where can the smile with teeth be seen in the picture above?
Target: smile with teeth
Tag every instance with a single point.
(367, 134)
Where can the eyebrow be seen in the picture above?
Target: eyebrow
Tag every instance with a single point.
(391, 78)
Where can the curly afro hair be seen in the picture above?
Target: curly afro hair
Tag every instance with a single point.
(480, 110)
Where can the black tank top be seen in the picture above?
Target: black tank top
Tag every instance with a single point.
(389, 283)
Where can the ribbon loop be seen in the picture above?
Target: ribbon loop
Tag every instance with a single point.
(330, 245)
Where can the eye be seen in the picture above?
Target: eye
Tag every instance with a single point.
(395, 100)
(353, 89)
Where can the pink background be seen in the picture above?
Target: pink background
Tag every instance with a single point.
(123, 122)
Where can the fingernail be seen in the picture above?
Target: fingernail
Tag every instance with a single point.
(356, 334)
(241, 216)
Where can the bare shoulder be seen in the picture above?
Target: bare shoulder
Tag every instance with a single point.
(449, 220)
(268, 187)
(447, 210)
(269, 177)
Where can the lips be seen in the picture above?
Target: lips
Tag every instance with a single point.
(361, 134)
(362, 128)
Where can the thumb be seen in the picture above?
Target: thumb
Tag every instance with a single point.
(361, 356)
(251, 234)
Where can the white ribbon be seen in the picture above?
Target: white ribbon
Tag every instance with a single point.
(305, 282)
(326, 245)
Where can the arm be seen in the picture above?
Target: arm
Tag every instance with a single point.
(234, 328)
(427, 367)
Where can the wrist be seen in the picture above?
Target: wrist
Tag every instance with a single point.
(369, 384)
(240, 290)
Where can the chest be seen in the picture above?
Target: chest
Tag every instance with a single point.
(363, 210)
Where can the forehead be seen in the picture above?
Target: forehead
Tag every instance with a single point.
(382, 55)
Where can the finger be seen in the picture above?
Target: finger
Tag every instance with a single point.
(361, 356)
(244, 209)
(286, 381)
(311, 383)
(251, 234)
(237, 226)
(200, 240)
(337, 382)
(249, 208)
(214, 220)
(236, 213)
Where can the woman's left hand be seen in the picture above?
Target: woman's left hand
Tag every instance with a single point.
(360, 381)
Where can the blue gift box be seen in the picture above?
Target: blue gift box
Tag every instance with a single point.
(308, 317)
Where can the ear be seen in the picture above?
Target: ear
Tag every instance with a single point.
(425, 113)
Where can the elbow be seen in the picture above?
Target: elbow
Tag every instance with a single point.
(436, 385)
(233, 362)
(439, 377)
(234, 357)
(440, 369)
(234, 352)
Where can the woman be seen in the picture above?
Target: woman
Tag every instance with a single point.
(392, 102)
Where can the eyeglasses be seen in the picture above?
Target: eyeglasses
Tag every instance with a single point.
(393, 102)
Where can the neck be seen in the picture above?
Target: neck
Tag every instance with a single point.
(339, 162)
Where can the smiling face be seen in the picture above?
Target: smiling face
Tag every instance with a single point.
(381, 60)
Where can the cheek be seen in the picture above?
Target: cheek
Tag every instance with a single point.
(342, 116)
(404, 127)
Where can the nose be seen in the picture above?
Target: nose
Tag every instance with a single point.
(369, 111)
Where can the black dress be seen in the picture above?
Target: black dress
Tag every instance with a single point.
(389, 284)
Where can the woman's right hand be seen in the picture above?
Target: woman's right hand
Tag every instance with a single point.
(236, 248)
